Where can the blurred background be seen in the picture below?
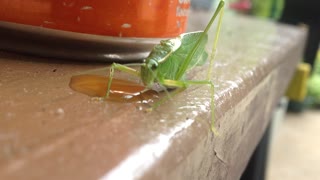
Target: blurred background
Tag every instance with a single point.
(294, 153)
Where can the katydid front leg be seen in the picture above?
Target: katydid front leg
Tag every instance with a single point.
(122, 68)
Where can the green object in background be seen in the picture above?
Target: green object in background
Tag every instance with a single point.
(316, 69)
(314, 88)
(297, 89)
(267, 8)
(314, 82)
(277, 8)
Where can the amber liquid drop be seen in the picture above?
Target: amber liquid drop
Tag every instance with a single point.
(121, 90)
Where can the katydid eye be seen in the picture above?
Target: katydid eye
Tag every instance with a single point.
(153, 65)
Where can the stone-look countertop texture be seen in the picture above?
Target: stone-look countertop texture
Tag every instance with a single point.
(48, 131)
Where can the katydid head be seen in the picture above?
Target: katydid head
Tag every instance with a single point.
(148, 72)
(158, 55)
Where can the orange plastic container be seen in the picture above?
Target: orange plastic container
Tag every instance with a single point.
(120, 18)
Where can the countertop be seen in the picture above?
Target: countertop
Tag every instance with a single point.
(49, 131)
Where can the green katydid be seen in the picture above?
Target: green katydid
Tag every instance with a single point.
(169, 61)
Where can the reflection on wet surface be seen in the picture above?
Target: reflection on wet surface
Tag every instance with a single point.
(121, 90)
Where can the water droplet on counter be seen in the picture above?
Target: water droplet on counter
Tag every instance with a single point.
(60, 111)
(86, 8)
(10, 115)
(70, 4)
(48, 22)
(126, 25)
(128, 96)
(140, 108)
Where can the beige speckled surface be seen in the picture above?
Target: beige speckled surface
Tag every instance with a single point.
(294, 152)
(49, 131)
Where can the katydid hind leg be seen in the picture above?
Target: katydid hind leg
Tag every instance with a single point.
(187, 61)
(207, 82)
(214, 47)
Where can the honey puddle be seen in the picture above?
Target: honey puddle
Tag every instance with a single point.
(121, 90)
